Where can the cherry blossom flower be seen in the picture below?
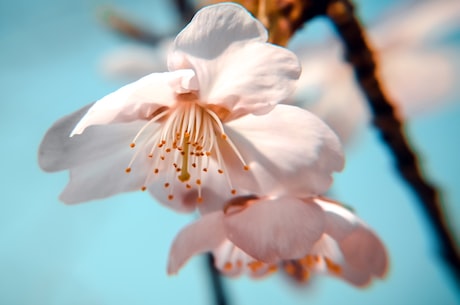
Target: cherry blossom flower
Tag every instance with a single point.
(214, 111)
(416, 68)
(258, 236)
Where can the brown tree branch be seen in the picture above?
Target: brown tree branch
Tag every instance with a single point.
(390, 127)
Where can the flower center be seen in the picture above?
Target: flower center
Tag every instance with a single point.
(182, 146)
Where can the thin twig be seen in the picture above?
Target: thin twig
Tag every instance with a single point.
(220, 297)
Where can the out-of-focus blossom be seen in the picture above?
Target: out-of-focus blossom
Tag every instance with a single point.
(215, 112)
(416, 70)
(257, 236)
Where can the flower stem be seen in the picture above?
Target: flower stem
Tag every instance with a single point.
(220, 297)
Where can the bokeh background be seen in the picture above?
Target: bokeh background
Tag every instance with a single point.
(114, 251)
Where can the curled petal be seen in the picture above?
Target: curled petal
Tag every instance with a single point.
(214, 28)
(56, 147)
(275, 229)
(227, 80)
(288, 150)
(363, 251)
(204, 235)
(138, 100)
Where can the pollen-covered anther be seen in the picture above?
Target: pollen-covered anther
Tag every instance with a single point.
(246, 167)
(162, 158)
(224, 136)
(220, 171)
(170, 197)
(150, 156)
(289, 268)
(256, 265)
(272, 268)
(228, 266)
(166, 185)
(168, 150)
(233, 191)
(332, 267)
(143, 188)
(132, 145)
(128, 170)
(156, 171)
(198, 181)
(199, 199)
(188, 186)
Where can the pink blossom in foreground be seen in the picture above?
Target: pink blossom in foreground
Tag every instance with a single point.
(215, 111)
(257, 236)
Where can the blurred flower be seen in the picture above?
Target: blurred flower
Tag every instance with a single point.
(214, 112)
(417, 70)
(258, 236)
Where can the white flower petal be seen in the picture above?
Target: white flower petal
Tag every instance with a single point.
(214, 28)
(204, 235)
(340, 222)
(236, 69)
(274, 229)
(288, 150)
(57, 145)
(103, 177)
(138, 100)
(362, 249)
(58, 151)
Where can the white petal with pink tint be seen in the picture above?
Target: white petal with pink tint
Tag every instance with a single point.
(204, 235)
(138, 100)
(274, 229)
(288, 150)
(216, 45)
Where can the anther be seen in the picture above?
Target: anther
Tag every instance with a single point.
(198, 181)
(128, 170)
(132, 145)
(246, 167)
(170, 197)
(233, 192)
(224, 136)
(143, 188)
(220, 171)
(166, 185)
(188, 186)
(168, 150)
(156, 170)
(199, 199)
(228, 266)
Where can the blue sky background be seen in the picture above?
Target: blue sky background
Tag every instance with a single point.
(114, 251)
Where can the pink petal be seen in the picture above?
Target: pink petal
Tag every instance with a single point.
(204, 235)
(138, 100)
(288, 150)
(236, 69)
(362, 249)
(275, 229)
